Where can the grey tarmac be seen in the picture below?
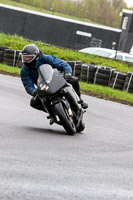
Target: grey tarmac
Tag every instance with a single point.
(42, 162)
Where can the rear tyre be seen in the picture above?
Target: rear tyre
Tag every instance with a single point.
(65, 119)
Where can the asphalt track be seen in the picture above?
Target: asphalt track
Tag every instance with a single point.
(42, 162)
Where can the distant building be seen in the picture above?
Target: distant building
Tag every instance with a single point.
(56, 30)
(126, 37)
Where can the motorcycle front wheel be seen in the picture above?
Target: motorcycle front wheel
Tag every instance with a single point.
(65, 119)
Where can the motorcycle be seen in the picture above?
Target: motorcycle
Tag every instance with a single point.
(60, 100)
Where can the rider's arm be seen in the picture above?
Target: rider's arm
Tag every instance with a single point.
(56, 63)
(27, 81)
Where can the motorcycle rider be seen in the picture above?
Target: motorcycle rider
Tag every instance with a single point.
(32, 58)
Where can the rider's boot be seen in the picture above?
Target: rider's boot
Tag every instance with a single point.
(83, 104)
(51, 119)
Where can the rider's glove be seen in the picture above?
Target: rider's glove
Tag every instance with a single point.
(68, 76)
(34, 93)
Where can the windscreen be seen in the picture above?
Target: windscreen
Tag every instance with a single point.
(46, 72)
(128, 59)
(97, 52)
(101, 53)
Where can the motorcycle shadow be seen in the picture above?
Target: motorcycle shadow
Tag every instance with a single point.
(45, 131)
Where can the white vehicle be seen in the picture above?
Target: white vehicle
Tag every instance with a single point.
(122, 56)
(108, 53)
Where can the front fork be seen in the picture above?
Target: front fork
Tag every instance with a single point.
(49, 107)
(72, 97)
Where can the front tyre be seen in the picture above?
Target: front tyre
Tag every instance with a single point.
(65, 119)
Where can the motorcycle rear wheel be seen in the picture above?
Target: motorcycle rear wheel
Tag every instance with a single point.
(65, 119)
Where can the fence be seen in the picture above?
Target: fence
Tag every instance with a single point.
(55, 30)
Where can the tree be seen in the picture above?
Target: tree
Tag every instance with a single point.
(106, 12)
(69, 7)
(57, 5)
(118, 5)
(89, 7)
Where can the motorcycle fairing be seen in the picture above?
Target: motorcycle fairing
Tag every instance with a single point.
(49, 81)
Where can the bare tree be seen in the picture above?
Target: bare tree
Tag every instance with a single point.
(99, 11)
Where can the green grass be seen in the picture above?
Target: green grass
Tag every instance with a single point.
(107, 91)
(6, 68)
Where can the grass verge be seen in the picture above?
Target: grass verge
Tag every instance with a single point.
(9, 69)
(17, 43)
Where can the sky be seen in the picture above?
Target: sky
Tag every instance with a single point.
(129, 3)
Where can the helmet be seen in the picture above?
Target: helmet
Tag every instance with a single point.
(29, 54)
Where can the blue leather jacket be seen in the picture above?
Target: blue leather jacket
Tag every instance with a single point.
(29, 75)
